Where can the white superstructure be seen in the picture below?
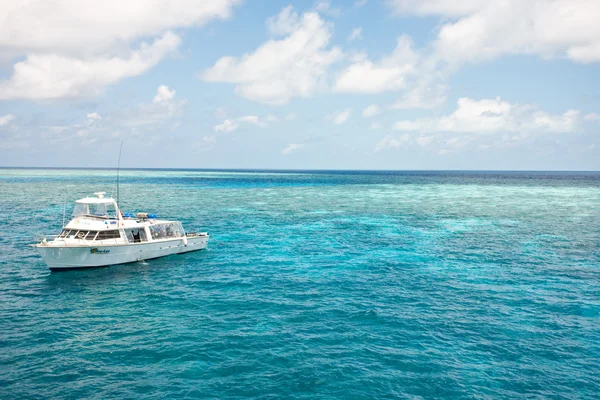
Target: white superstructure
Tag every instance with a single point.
(100, 234)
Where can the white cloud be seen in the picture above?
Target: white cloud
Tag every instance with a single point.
(406, 126)
(253, 119)
(227, 126)
(355, 34)
(424, 95)
(389, 142)
(52, 76)
(284, 23)
(164, 107)
(279, 70)
(494, 115)
(417, 74)
(436, 7)
(93, 116)
(75, 48)
(163, 94)
(340, 117)
(78, 27)
(360, 3)
(389, 73)
(292, 147)
(592, 117)
(424, 140)
(371, 111)
(271, 118)
(476, 30)
(149, 120)
(375, 126)
(290, 117)
(5, 119)
(324, 7)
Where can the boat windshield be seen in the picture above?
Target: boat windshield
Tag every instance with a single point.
(106, 210)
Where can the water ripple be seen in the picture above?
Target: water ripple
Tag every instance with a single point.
(315, 285)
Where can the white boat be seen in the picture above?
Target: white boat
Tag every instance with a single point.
(100, 235)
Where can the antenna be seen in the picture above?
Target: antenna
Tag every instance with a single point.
(64, 211)
(118, 169)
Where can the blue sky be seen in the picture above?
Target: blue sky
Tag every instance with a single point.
(389, 84)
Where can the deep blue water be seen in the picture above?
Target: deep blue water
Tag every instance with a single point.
(316, 284)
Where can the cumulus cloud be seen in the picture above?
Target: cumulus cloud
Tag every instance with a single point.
(389, 142)
(340, 117)
(68, 51)
(93, 116)
(417, 75)
(425, 94)
(494, 115)
(281, 69)
(164, 107)
(389, 73)
(371, 111)
(592, 117)
(147, 119)
(356, 34)
(5, 119)
(325, 8)
(292, 147)
(227, 126)
(52, 76)
(476, 30)
(163, 94)
(284, 23)
(253, 119)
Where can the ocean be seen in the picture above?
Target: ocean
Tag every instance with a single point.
(316, 284)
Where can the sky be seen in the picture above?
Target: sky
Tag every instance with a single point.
(355, 84)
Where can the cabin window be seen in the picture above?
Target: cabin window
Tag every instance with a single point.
(80, 209)
(75, 234)
(64, 233)
(112, 234)
(104, 210)
(157, 231)
(136, 235)
(165, 231)
(91, 235)
(81, 234)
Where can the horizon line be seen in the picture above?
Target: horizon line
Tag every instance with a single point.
(293, 169)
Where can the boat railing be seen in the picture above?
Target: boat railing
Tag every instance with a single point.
(195, 234)
(40, 237)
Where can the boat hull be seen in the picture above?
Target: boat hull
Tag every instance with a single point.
(61, 258)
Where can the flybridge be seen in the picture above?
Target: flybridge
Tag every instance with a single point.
(99, 207)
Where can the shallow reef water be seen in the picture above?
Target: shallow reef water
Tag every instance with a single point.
(316, 284)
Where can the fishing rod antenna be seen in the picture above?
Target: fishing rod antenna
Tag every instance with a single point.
(118, 169)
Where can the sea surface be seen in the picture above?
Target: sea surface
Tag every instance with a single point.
(315, 285)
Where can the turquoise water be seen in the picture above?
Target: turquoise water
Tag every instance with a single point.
(315, 285)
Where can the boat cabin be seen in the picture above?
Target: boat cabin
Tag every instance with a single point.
(96, 207)
(99, 218)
